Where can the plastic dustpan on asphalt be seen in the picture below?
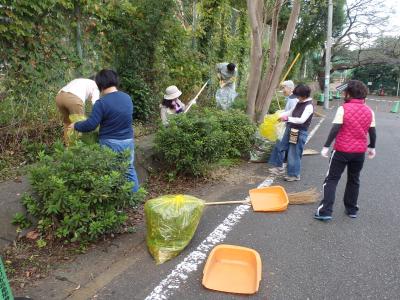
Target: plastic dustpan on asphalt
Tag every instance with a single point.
(271, 198)
(268, 199)
(233, 269)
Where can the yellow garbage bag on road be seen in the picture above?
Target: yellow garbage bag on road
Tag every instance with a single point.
(272, 128)
(171, 222)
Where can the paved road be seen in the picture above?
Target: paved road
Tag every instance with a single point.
(303, 258)
(10, 204)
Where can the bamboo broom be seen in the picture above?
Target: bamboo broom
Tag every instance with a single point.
(305, 197)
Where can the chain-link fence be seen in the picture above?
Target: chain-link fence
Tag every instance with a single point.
(228, 41)
(5, 290)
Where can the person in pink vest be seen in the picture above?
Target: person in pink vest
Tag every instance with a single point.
(353, 122)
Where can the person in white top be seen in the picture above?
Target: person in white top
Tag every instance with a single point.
(279, 157)
(298, 121)
(171, 105)
(72, 97)
(290, 99)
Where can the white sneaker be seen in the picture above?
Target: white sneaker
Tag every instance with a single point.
(277, 170)
(292, 178)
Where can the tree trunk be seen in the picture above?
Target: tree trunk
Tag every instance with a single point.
(256, 9)
(243, 49)
(273, 45)
(270, 86)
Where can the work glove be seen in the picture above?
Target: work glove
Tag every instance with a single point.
(191, 102)
(325, 151)
(371, 153)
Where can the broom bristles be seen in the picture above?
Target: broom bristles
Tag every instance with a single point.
(305, 197)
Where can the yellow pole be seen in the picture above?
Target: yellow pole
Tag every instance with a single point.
(291, 66)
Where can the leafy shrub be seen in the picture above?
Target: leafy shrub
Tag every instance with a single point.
(31, 149)
(145, 104)
(21, 221)
(194, 141)
(240, 104)
(191, 143)
(239, 132)
(80, 192)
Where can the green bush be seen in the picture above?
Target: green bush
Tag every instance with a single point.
(21, 221)
(239, 131)
(80, 192)
(31, 149)
(193, 142)
(145, 103)
(240, 104)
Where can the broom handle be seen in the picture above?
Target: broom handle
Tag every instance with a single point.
(202, 88)
(228, 202)
(198, 94)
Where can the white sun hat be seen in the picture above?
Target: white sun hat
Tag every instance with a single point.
(172, 92)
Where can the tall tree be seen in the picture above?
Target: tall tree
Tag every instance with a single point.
(262, 85)
(365, 21)
(384, 51)
(311, 30)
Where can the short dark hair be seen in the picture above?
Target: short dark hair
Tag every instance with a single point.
(302, 90)
(356, 89)
(106, 78)
(231, 67)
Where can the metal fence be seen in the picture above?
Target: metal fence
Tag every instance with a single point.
(5, 290)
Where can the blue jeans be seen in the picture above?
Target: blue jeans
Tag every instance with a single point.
(120, 146)
(295, 151)
(277, 155)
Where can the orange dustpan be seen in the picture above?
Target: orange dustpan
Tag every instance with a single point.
(233, 269)
(272, 198)
(268, 199)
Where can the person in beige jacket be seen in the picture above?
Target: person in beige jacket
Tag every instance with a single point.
(71, 100)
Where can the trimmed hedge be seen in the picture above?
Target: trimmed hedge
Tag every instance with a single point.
(193, 142)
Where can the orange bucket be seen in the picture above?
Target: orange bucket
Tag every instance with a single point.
(233, 269)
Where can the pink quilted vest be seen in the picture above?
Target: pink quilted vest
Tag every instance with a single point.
(352, 137)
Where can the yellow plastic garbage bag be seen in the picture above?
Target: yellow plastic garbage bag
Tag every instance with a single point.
(271, 128)
(171, 222)
(86, 137)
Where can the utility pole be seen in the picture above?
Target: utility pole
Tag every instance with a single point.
(328, 55)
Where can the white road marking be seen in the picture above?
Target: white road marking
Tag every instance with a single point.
(314, 130)
(381, 100)
(192, 261)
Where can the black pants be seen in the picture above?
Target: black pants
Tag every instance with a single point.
(337, 164)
